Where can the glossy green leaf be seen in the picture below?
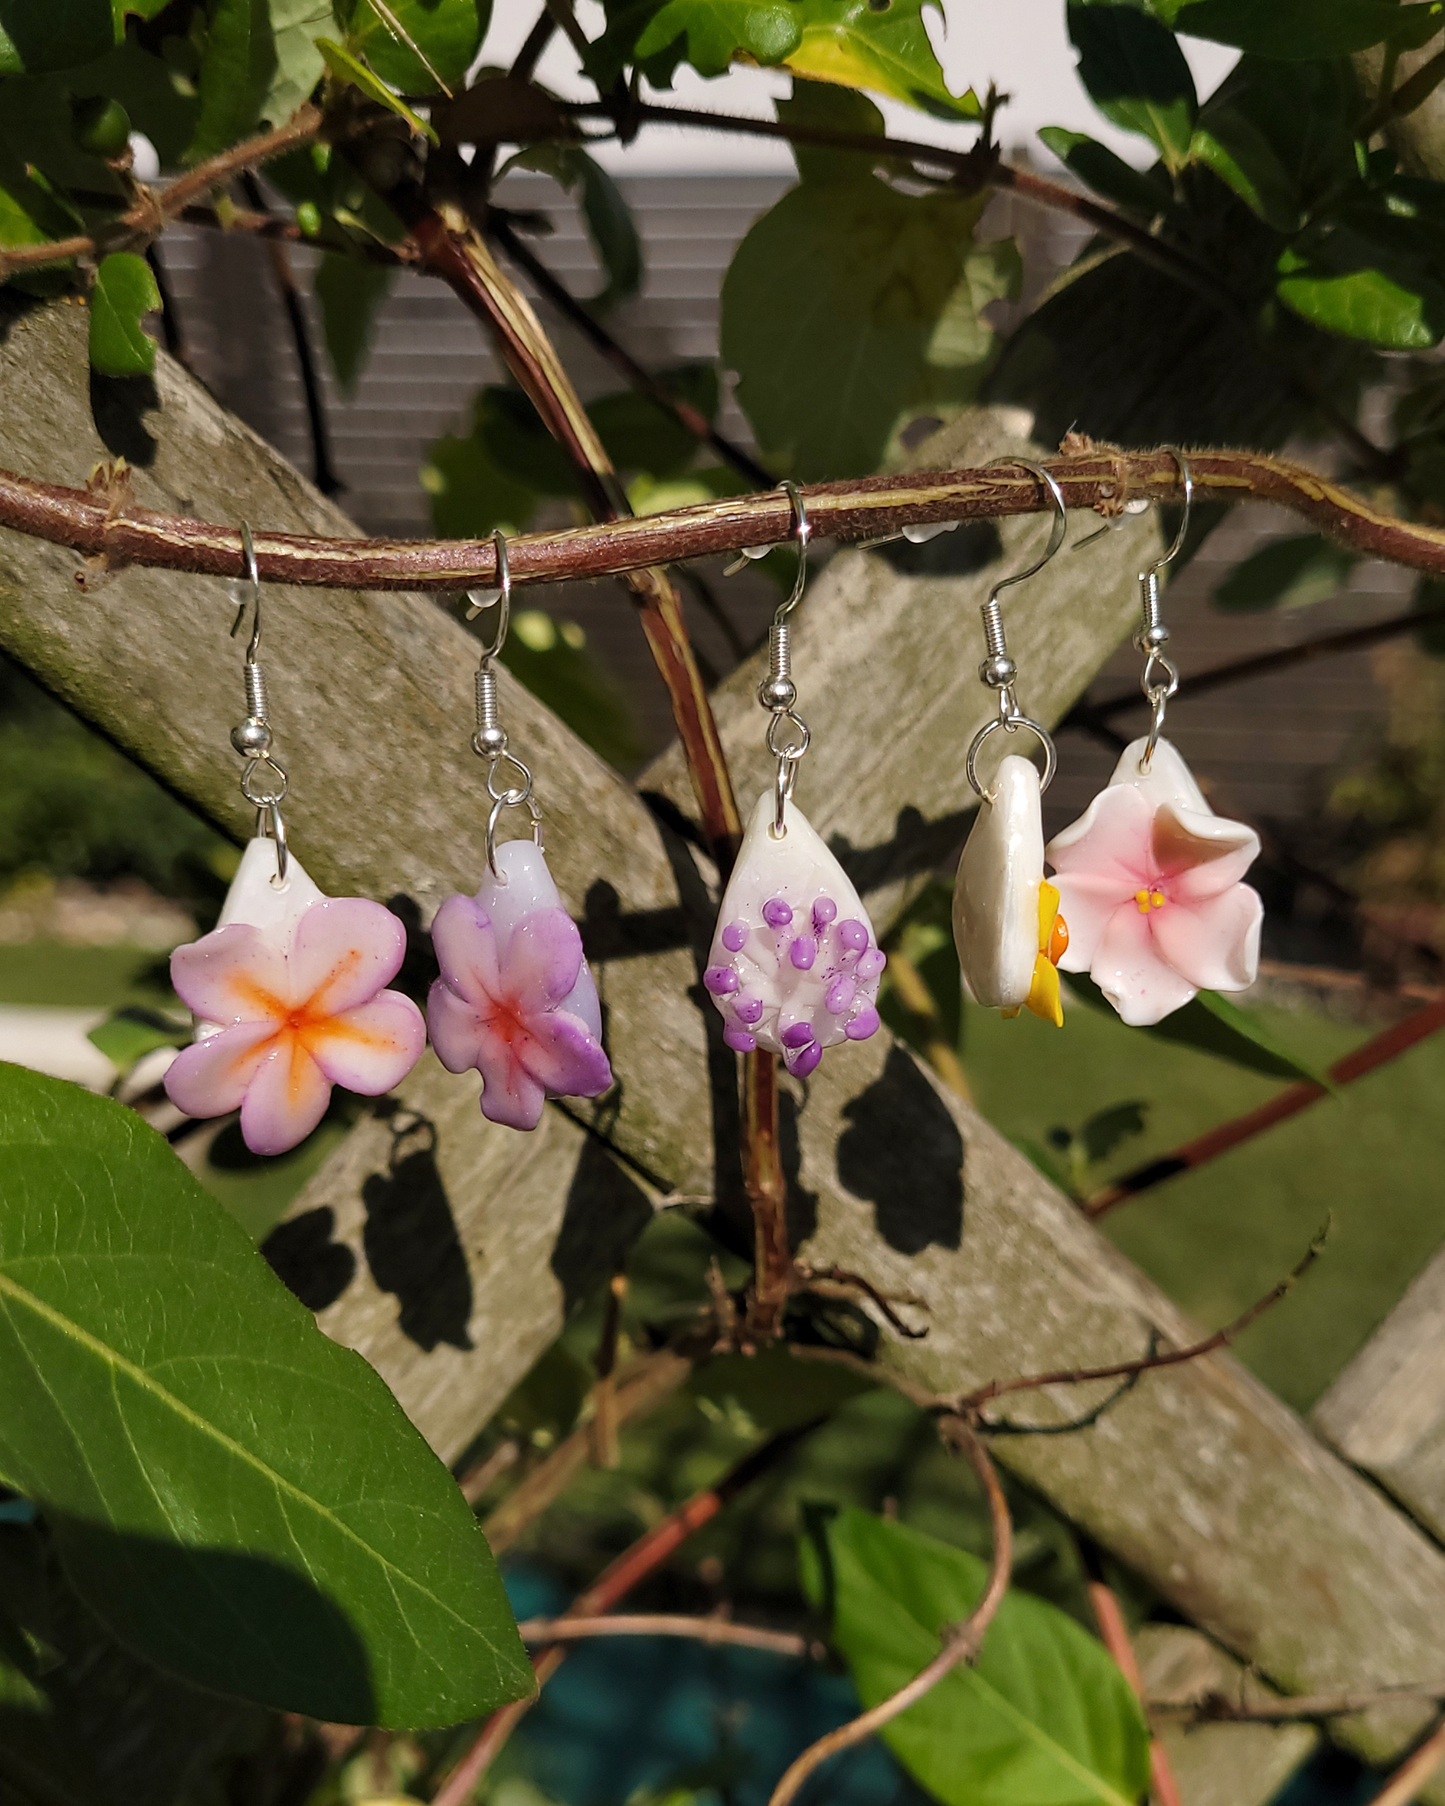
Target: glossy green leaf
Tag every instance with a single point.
(639, 435)
(350, 291)
(295, 25)
(1344, 283)
(41, 35)
(238, 66)
(1286, 573)
(419, 46)
(1304, 30)
(1213, 1025)
(125, 290)
(1106, 173)
(1242, 157)
(470, 493)
(1135, 73)
(131, 1033)
(345, 68)
(855, 43)
(1044, 1715)
(849, 305)
(235, 1496)
(158, 107)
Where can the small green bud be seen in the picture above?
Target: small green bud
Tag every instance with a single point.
(308, 217)
(102, 126)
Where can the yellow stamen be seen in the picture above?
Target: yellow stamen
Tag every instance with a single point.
(1157, 899)
(1048, 911)
(1045, 997)
(1141, 897)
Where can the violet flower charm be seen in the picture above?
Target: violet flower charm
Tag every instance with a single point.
(515, 999)
(794, 964)
(1149, 878)
(288, 995)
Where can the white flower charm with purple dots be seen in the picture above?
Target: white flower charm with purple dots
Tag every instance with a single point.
(794, 964)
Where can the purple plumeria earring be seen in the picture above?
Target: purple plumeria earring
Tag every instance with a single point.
(794, 963)
(515, 1000)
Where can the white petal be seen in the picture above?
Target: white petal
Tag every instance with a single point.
(254, 897)
(996, 893)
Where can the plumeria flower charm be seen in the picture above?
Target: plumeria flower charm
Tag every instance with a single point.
(1149, 878)
(1006, 922)
(515, 998)
(289, 999)
(794, 964)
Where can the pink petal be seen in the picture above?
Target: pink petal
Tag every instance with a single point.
(466, 950)
(372, 1047)
(510, 1095)
(560, 1053)
(1087, 905)
(455, 1027)
(285, 1100)
(1213, 943)
(1111, 841)
(1201, 855)
(544, 956)
(210, 1078)
(233, 974)
(1130, 971)
(345, 949)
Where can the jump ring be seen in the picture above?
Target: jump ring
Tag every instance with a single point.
(510, 800)
(1010, 725)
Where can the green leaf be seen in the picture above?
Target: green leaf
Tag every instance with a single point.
(607, 216)
(147, 90)
(1044, 1715)
(41, 35)
(1107, 174)
(848, 306)
(350, 291)
(1304, 30)
(1135, 73)
(1241, 156)
(471, 494)
(639, 435)
(345, 68)
(295, 25)
(235, 1496)
(555, 665)
(238, 66)
(1213, 1025)
(131, 1033)
(854, 43)
(419, 46)
(1358, 283)
(1286, 573)
(124, 290)
(1105, 1130)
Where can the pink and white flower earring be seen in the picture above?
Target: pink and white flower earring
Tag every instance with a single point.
(1149, 876)
(288, 990)
(515, 1000)
(794, 964)
(1007, 926)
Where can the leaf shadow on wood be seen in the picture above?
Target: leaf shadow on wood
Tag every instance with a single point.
(410, 1238)
(918, 845)
(311, 1265)
(119, 405)
(902, 1152)
(605, 1212)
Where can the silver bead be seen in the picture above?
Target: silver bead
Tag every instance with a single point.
(777, 692)
(490, 741)
(251, 738)
(1151, 638)
(998, 671)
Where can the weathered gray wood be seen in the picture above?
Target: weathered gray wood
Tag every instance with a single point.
(1386, 1411)
(1215, 1764)
(1198, 1478)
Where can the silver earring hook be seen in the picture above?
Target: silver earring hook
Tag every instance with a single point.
(489, 742)
(1160, 676)
(802, 533)
(263, 779)
(777, 692)
(998, 670)
(499, 598)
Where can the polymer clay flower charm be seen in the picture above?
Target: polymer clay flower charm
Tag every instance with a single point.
(289, 999)
(1149, 878)
(1006, 921)
(515, 999)
(794, 963)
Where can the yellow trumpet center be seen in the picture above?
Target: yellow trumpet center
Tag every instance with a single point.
(1146, 900)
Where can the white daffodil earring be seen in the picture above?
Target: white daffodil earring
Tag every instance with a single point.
(794, 963)
(1149, 876)
(1006, 921)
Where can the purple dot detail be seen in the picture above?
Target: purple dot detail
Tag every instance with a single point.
(840, 995)
(720, 980)
(797, 1034)
(805, 1060)
(739, 1040)
(776, 913)
(803, 952)
(871, 964)
(853, 934)
(748, 1009)
(825, 910)
(865, 1023)
(734, 936)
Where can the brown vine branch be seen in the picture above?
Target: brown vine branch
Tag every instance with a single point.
(861, 508)
(1388, 1045)
(961, 1642)
(157, 207)
(1412, 1774)
(664, 1624)
(1114, 1635)
(1215, 1706)
(618, 1579)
